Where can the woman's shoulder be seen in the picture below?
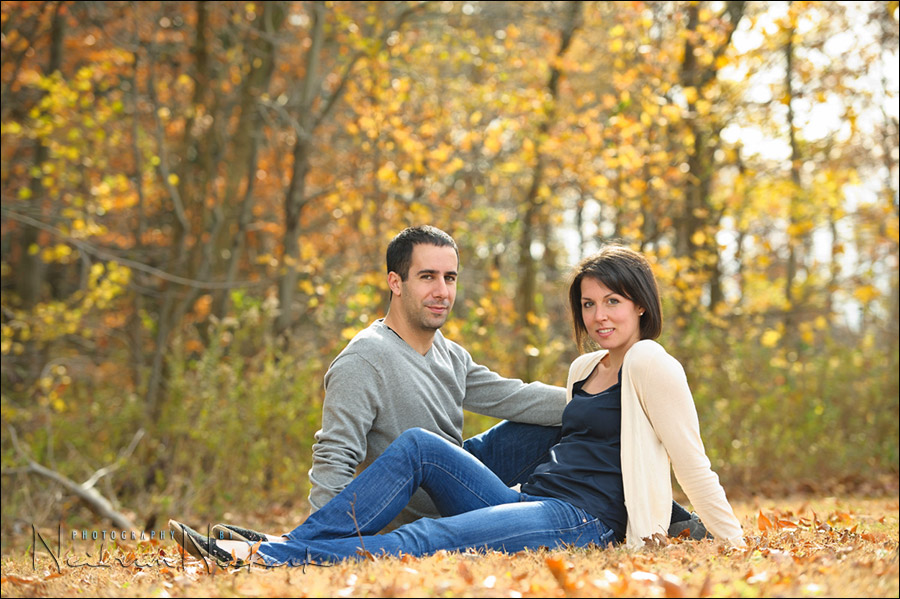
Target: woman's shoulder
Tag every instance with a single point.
(583, 364)
(588, 359)
(645, 347)
(649, 353)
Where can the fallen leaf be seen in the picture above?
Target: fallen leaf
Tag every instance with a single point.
(19, 580)
(559, 568)
(464, 571)
(672, 586)
(705, 588)
(763, 522)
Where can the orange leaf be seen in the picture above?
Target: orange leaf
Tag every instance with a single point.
(763, 522)
(365, 554)
(18, 580)
(559, 569)
(464, 571)
(672, 586)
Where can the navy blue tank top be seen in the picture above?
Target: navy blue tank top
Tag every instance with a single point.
(585, 467)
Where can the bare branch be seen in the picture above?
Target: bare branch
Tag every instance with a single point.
(96, 502)
(110, 256)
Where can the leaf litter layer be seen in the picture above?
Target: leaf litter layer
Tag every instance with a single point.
(796, 547)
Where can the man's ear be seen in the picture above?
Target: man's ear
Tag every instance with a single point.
(394, 282)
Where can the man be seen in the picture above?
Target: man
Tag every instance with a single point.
(401, 373)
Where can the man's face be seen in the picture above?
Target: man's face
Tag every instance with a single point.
(429, 291)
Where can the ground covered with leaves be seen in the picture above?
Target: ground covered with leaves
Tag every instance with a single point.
(825, 547)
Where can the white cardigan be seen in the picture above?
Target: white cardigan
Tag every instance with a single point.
(659, 422)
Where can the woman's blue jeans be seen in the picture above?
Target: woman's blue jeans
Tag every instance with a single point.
(479, 511)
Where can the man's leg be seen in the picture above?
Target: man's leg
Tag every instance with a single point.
(682, 519)
(513, 450)
(453, 478)
(679, 514)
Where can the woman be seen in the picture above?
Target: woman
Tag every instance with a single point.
(630, 411)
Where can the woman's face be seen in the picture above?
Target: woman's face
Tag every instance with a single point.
(612, 320)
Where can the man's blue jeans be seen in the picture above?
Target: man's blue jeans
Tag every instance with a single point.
(479, 510)
(513, 450)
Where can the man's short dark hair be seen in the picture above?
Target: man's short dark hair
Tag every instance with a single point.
(400, 249)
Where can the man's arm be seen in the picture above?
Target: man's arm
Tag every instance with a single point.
(348, 411)
(490, 394)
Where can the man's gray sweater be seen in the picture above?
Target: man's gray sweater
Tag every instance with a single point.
(379, 387)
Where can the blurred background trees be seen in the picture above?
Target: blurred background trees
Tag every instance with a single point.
(196, 198)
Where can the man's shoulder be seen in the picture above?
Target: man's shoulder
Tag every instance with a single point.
(448, 345)
(365, 361)
(371, 340)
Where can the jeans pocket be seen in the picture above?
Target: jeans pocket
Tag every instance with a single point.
(592, 530)
(606, 537)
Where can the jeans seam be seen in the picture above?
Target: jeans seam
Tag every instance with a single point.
(531, 466)
(418, 451)
(465, 485)
(549, 532)
(399, 488)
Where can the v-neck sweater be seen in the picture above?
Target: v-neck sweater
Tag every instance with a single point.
(379, 386)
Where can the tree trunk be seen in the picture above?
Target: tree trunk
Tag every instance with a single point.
(296, 197)
(30, 278)
(793, 240)
(533, 210)
(695, 226)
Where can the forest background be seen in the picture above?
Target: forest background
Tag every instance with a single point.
(196, 198)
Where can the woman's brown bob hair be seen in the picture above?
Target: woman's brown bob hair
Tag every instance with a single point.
(625, 272)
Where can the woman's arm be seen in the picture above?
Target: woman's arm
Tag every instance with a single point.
(668, 404)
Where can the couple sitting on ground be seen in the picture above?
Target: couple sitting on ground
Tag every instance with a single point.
(394, 407)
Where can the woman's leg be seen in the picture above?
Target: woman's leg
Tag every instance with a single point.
(537, 522)
(454, 479)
